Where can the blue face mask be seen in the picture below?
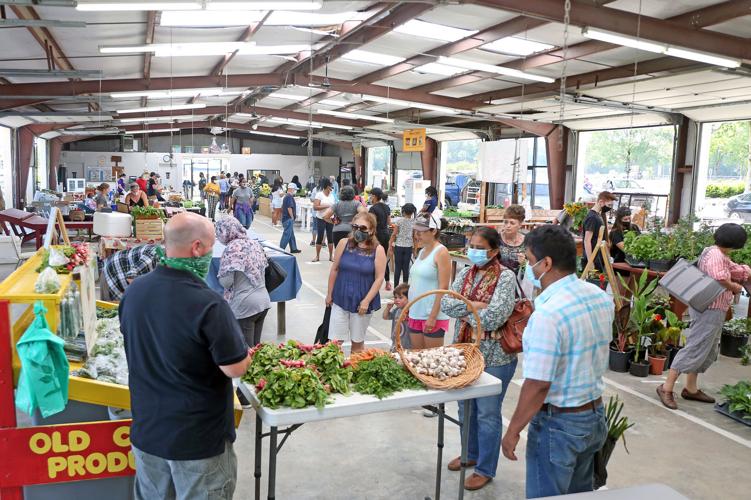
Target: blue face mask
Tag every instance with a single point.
(529, 274)
(478, 256)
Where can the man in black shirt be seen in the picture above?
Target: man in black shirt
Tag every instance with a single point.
(591, 228)
(183, 346)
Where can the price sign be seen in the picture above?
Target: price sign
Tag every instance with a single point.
(414, 140)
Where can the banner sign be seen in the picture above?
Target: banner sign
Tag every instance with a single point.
(67, 452)
(414, 140)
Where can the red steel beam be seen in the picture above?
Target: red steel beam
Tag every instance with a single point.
(246, 36)
(626, 23)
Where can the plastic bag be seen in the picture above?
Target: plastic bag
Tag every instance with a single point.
(47, 282)
(57, 257)
(43, 381)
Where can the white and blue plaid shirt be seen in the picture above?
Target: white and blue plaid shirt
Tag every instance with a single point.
(566, 341)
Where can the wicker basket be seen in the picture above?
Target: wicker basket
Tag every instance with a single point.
(472, 355)
(77, 215)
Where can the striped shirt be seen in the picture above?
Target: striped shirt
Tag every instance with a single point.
(566, 341)
(717, 265)
(128, 265)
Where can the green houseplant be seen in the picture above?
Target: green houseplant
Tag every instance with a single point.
(617, 427)
(734, 337)
(639, 248)
(641, 321)
(737, 403)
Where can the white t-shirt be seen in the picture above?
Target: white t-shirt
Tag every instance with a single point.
(325, 200)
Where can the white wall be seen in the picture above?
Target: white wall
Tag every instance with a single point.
(136, 163)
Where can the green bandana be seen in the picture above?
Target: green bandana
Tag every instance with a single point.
(199, 266)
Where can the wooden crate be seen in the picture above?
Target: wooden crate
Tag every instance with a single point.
(494, 215)
(149, 228)
(264, 206)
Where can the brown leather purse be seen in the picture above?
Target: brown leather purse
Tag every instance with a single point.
(511, 332)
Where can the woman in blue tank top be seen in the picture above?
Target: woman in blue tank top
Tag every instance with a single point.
(356, 276)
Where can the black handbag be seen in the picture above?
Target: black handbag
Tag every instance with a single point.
(274, 276)
(322, 334)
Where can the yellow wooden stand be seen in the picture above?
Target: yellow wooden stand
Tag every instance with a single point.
(602, 249)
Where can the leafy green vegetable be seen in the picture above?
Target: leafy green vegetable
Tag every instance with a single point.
(265, 358)
(104, 313)
(329, 360)
(739, 397)
(292, 387)
(382, 376)
(147, 213)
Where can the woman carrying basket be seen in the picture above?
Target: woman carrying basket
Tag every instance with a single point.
(491, 289)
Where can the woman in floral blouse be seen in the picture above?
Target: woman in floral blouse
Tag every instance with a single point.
(491, 288)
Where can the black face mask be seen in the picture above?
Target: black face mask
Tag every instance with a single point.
(360, 236)
(606, 209)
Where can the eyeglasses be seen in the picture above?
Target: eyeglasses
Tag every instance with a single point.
(355, 227)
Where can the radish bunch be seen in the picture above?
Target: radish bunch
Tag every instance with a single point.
(440, 362)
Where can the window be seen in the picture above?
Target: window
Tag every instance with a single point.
(379, 167)
(459, 166)
(633, 163)
(723, 174)
(537, 193)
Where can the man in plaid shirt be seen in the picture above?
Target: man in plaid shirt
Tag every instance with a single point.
(565, 356)
(121, 268)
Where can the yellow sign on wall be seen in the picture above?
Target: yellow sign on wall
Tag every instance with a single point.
(414, 140)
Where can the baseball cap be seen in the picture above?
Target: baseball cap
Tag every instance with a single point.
(425, 221)
(292, 185)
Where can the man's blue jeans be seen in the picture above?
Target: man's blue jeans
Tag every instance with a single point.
(486, 423)
(288, 235)
(561, 449)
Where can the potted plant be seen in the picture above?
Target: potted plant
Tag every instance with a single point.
(746, 355)
(734, 337)
(641, 321)
(577, 212)
(737, 404)
(639, 248)
(671, 337)
(662, 256)
(617, 427)
(597, 278)
(620, 352)
(666, 335)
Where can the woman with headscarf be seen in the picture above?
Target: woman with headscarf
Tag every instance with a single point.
(241, 273)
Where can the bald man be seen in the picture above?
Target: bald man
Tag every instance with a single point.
(183, 346)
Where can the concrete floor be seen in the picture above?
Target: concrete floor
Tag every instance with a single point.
(698, 452)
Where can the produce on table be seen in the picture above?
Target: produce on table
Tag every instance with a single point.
(440, 362)
(107, 362)
(104, 313)
(365, 355)
(292, 387)
(72, 256)
(382, 376)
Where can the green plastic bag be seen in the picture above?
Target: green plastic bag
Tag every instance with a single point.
(43, 382)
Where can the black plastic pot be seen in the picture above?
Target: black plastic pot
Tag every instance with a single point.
(639, 369)
(731, 345)
(633, 262)
(672, 353)
(619, 361)
(599, 284)
(660, 265)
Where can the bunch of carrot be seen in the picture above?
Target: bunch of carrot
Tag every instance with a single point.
(366, 355)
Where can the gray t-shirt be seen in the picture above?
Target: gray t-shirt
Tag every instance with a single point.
(345, 212)
(247, 299)
(243, 195)
(404, 237)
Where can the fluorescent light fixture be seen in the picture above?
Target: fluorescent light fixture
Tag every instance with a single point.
(154, 131)
(489, 68)
(439, 69)
(147, 119)
(275, 135)
(287, 18)
(174, 94)
(303, 123)
(334, 102)
(125, 49)
(659, 48)
(134, 5)
(513, 46)
(432, 31)
(364, 56)
(149, 109)
(288, 97)
(702, 57)
(354, 116)
(179, 18)
(275, 5)
(205, 49)
(409, 104)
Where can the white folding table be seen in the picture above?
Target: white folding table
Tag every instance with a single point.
(359, 404)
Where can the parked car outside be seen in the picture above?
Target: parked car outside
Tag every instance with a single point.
(739, 206)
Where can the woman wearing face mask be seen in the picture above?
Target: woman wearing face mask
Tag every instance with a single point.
(620, 228)
(382, 213)
(491, 288)
(241, 203)
(596, 218)
(355, 278)
(512, 241)
(430, 271)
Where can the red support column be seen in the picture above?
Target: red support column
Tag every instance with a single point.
(360, 179)
(557, 148)
(24, 150)
(7, 403)
(429, 159)
(56, 148)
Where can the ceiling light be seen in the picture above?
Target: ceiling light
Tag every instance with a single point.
(354, 116)
(205, 49)
(179, 18)
(147, 119)
(303, 123)
(334, 102)
(409, 104)
(439, 69)
(276, 135)
(287, 18)
(125, 49)
(135, 5)
(432, 31)
(659, 48)
(288, 97)
(174, 94)
(489, 68)
(364, 56)
(161, 108)
(516, 46)
(107, 131)
(275, 5)
(154, 131)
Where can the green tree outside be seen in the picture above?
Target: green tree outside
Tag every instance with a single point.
(650, 148)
